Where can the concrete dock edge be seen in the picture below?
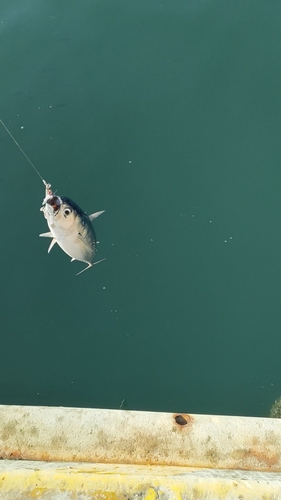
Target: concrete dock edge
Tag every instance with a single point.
(76, 453)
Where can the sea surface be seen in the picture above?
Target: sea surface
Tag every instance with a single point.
(167, 115)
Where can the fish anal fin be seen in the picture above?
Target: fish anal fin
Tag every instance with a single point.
(95, 215)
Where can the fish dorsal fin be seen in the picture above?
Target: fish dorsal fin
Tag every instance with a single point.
(95, 215)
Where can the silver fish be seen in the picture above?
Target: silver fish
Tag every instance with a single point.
(70, 227)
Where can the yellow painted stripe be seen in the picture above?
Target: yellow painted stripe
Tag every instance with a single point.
(61, 481)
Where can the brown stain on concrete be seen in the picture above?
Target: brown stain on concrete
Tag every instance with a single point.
(9, 429)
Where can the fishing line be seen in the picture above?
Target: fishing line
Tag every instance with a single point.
(17, 144)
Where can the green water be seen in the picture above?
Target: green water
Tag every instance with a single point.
(166, 114)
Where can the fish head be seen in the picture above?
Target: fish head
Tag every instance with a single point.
(61, 213)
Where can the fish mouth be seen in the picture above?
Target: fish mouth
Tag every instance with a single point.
(55, 202)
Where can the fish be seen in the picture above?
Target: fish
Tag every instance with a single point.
(70, 227)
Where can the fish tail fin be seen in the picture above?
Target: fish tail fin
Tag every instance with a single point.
(90, 265)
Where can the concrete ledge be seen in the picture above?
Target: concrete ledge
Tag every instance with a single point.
(80, 453)
(135, 437)
(68, 481)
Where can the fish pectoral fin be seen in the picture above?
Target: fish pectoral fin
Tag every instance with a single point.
(47, 235)
(95, 215)
(52, 244)
(80, 236)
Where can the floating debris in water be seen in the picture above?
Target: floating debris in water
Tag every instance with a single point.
(123, 405)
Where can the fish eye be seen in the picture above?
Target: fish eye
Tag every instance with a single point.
(67, 212)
